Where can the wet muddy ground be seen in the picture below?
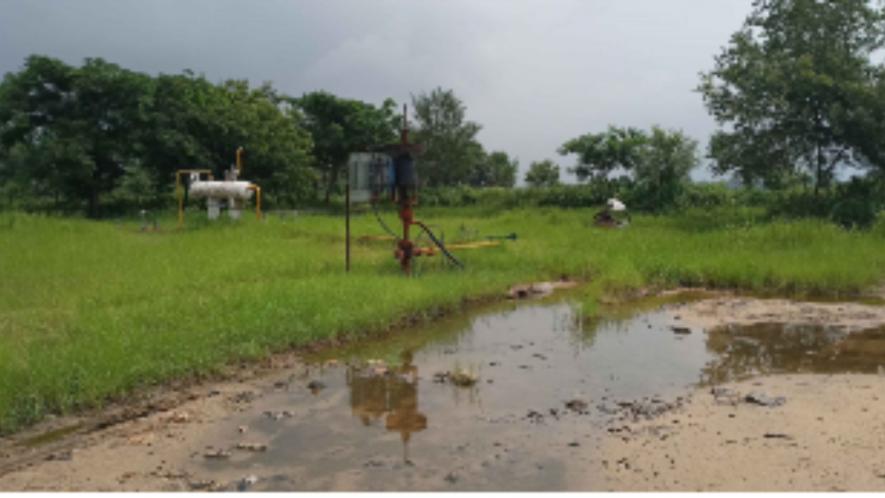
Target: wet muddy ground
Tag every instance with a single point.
(520, 396)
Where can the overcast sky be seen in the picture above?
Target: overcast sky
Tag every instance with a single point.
(533, 73)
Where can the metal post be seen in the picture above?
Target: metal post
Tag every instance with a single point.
(347, 227)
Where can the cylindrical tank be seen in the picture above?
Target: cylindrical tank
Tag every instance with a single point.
(220, 190)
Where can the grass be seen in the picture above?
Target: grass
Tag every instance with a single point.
(90, 310)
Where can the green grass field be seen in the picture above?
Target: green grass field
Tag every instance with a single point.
(90, 310)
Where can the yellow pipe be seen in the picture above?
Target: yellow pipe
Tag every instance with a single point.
(239, 160)
(257, 190)
(180, 191)
(473, 245)
(466, 245)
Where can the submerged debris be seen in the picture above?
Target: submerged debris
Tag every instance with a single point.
(462, 378)
(246, 482)
(645, 409)
(217, 454)
(535, 416)
(315, 386)
(202, 485)
(776, 435)
(723, 395)
(577, 405)
(763, 400)
(256, 447)
(279, 415)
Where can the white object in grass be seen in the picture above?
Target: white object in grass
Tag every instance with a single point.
(220, 190)
(616, 205)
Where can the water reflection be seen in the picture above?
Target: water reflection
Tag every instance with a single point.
(377, 392)
(746, 350)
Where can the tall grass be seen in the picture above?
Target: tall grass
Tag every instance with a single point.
(90, 310)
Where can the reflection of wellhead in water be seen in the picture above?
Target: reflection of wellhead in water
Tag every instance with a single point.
(393, 393)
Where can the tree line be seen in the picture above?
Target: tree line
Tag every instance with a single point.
(101, 139)
(795, 92)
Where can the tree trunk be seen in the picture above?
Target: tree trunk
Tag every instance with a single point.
(93, 203)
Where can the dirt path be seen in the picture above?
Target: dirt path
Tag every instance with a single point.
(828, 435)
(146, 453)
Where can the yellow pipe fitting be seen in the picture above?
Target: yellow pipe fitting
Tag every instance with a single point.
(180, 191)
(473, 245)
(257, 190)
(239, 160)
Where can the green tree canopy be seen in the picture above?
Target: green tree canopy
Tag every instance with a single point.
(452, 152)
(69, 132)
(600, 154)
(497, 170)
(659, 161)
(341, 126)
(664, 162)
(795, 91)
(542, 174)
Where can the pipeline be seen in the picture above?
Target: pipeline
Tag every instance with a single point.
(257, 191)
(180, 191)
(381, 221)
(440, 245)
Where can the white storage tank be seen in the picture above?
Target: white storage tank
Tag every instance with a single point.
(218, 189)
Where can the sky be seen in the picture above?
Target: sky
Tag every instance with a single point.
(533, 73)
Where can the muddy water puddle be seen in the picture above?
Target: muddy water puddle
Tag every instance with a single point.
(383, 416)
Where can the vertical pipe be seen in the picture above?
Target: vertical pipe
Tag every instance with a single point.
(179, 191)
(347, 226)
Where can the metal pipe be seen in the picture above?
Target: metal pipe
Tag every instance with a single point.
(239, 160)
(180, 191)
(257, 190)
(347, 227)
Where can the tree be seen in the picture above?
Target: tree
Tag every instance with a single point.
(659, 161)
(341, 126)
(452, 152)
(75, 126)
(497, 170)
(600, 154)
(542, 174)
(664, 162)
(793, 89)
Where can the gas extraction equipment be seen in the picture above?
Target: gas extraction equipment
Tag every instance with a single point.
(387, 173)
(231, 192)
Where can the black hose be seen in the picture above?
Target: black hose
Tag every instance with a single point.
(440, 245)
(381, 221)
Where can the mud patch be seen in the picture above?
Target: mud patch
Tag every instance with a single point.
(736, 310)
(827, 436)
